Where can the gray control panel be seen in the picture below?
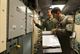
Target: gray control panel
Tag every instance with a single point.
(16, 18)
(29, 20)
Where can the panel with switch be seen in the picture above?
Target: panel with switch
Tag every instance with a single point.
(16, 18)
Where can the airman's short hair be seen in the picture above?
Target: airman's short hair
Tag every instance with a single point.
(55, 10)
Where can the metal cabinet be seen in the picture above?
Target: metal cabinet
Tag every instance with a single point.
(16, 18)
(29, 20)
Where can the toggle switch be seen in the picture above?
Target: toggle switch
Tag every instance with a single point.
(14, 27)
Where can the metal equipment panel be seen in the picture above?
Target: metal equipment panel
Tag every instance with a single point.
(3, 18)
(29, 20)
(27, 44)
(16, 18)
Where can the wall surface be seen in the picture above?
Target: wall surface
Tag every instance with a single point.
(77, 29)
(3, 24)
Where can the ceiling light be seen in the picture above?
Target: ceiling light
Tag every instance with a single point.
(60, 6)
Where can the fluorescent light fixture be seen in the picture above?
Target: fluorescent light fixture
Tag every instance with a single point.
(60, 6)
(23, 9)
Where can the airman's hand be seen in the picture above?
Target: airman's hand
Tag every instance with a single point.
(54, 31)
(34, 21)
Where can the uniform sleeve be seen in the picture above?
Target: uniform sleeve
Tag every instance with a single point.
(40, 26)
(68, 26)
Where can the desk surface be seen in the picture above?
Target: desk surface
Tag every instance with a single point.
(50, 43)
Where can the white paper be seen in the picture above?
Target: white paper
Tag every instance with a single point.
(46, 32)
(50, 41)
